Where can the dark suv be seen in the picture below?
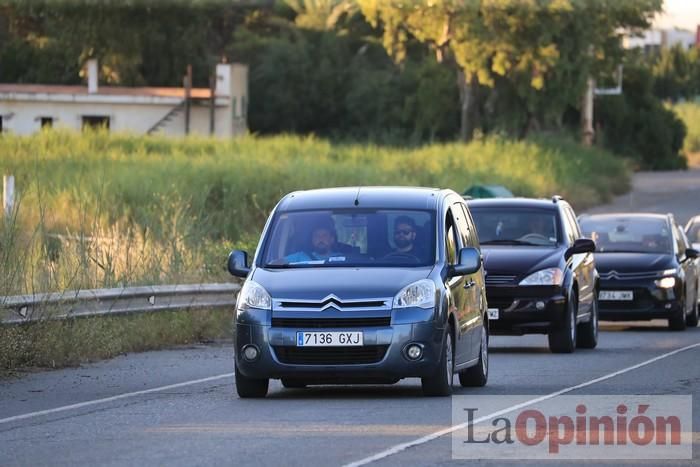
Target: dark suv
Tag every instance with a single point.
(540, 271)
(647, 268)
(363, 285)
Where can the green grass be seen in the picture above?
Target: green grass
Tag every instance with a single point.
(103, 210)
(689, 112)
(54, 344)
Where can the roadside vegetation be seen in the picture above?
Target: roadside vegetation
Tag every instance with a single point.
(689, 113)
(55, 344)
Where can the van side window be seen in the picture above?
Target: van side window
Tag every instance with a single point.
(450, 240)
(462, 225)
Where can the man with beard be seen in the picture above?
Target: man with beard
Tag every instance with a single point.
(323, 245)
(404, 237)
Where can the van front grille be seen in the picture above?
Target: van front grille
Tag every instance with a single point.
(330, 355)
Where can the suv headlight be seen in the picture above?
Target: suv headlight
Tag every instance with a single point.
(550, 276)
(255, 296)
(420, 294)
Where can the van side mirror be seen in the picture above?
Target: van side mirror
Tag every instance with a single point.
(238, 263)
(469, 262)
(692, 253)
(581, 245)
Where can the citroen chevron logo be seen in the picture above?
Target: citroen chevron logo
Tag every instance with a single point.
(331, 301)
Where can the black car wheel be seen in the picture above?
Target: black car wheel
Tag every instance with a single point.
(587, 333)
(250, 387)
(440, 383)
(477, 375)
(562, 338)
(293, 384)
(677, 321)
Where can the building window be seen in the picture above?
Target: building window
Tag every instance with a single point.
(46, 122)
(95, 122)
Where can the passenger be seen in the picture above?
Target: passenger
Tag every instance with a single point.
(323, 245)
(405, 236)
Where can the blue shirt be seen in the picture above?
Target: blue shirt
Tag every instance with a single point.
(302, 256)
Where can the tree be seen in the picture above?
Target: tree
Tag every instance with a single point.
(530, 46)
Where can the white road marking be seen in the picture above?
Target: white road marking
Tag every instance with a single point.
(112, 398)
(402, 447)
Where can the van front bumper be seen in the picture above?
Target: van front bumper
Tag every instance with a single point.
(381, 358)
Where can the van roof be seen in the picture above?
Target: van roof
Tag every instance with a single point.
(379, 197)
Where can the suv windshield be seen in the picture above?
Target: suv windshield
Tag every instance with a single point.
(516, 226)
(327, 238)
(628, 235)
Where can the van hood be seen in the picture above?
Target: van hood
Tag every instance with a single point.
(344, 283)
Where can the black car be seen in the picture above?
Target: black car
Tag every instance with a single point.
(540, 271)
(363, 285)
(646, 268)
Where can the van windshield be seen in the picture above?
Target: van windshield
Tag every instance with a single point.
(347, 238)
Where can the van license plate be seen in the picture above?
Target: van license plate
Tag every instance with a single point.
(616, 295)
(493, 313)
(329, 339)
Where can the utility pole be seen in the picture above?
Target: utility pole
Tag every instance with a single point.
(212, 104)
(188, 94)
(8, 195)
(587, 130)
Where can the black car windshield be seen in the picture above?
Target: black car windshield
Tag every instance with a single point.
(516, 226)
(346, 238)
(628, 234)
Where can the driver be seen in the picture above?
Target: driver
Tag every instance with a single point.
(405, 236)
(538, 225)
(323, 245)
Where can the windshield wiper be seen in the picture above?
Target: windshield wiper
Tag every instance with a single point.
(509, 242)
(280, 266)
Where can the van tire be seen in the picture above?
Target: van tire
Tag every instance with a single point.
(250, 387)
(440, 383)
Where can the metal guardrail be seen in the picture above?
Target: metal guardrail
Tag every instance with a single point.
(109, 302)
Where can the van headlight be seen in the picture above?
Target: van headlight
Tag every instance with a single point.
(254, 295)
(419, 294)
(550, 276)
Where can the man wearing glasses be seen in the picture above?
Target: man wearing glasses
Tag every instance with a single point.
(404, 237)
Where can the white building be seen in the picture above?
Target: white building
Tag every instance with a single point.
(26, 108)
(656, 39)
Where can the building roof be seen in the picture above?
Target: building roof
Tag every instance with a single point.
(11, 88)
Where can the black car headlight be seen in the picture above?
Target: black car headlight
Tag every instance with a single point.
(666, 283)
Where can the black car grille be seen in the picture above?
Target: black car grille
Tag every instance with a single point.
(629, 276)
(303, 323)
(493, 279)
(330, 355)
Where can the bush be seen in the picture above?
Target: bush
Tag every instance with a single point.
(637, 125)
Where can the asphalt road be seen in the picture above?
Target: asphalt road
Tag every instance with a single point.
(177, 407)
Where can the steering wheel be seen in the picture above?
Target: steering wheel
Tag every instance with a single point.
(405, 257)
(534, 236)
